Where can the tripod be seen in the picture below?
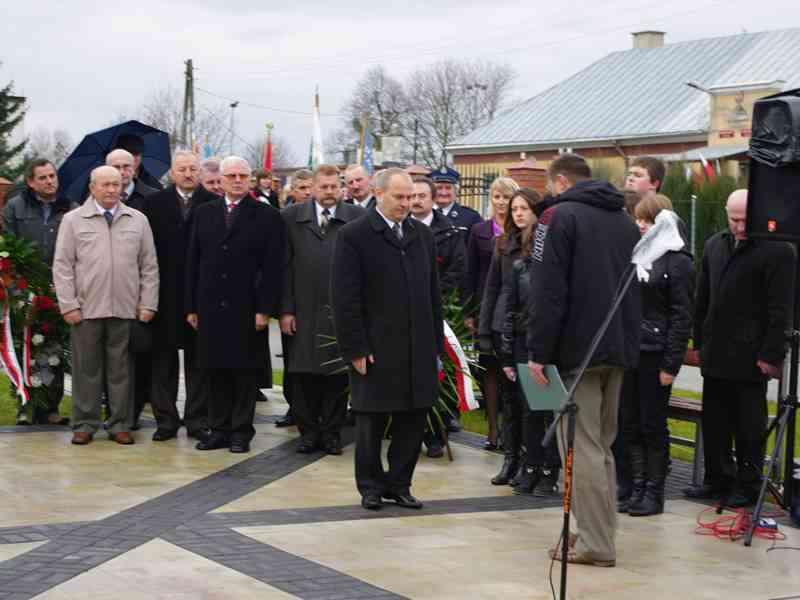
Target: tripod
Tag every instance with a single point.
(783, 425)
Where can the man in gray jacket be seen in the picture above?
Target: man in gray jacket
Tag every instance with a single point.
(106, 276)
(35, 214)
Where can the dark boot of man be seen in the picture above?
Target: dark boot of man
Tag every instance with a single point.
(638, 470)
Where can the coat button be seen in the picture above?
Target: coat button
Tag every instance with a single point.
(402, 252)
(224, 275)
(224, 246)
(223, 304)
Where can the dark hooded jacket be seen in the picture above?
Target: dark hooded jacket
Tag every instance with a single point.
(667, 308)
(23, 217)
(581, 250)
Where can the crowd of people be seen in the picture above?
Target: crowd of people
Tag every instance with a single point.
(356, 269)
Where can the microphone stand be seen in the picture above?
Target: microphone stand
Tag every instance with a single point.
(570, 409)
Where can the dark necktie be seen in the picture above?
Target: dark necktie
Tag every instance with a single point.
(109, 217)
(324, 220)
(123, 196)
(398, 231)
(229, 208)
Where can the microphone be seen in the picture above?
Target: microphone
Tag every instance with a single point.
(661, 238)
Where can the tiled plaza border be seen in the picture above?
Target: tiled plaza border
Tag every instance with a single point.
(183, 518)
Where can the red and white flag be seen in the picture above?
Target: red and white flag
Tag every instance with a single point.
(707, 168)
(464, 391)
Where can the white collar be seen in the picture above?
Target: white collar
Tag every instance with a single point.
(319, 208)
(228, 201)
(389, 222)
(130, 188)
(186, 197)
(102, 211)
(427, 220)
(362, 204)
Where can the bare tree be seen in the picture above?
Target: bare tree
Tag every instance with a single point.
(282, 155)
(53, 145)
(449, 99)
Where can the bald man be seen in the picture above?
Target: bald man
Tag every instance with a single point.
(743, 309)
(134, 191)
(106, 276)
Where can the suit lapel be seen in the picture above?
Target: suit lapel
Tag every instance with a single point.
(310, 218)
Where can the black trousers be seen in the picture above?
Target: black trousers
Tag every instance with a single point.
(288, 385)
(734, 411)
(232, 405)
(319, 404)
(535, 426)
(164, 389)
(141, 382)
(406, 433)
(644, 406)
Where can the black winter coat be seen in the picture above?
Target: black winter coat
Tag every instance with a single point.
(232, 274)
(515, 321)
(171, 236)
(463, 218)
(480, 249)
(450, 254)
(386, 303)
(667, 309)
(140, 192)
(23, 217)
(306, 292)
(744, 306)
(581, 249)
(493, 306)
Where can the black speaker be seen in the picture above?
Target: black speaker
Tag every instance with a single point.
(773, 200)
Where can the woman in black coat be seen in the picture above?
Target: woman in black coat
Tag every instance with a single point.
(508, 249)
(666, 326)
(480, 247)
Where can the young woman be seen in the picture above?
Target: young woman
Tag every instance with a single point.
(480, 247)
(666, 326)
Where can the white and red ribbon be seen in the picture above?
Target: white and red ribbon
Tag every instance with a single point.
(8, 356)
(454, 351)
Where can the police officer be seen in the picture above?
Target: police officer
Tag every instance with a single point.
(463, 217)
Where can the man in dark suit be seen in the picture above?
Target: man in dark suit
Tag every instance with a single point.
(135, 145)
(319, 397)
(463, 217)
(357, 181)
(235, 271)
(133, 193)
(388, 318)
(170, 213)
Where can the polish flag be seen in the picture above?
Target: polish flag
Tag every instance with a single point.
(708, 169)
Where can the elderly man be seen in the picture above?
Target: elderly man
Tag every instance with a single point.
(742, 313)
(106, 276)
(463, 217)
(388, 318)
(35, 214)
(133, 190)
(135, 145)
(170, 214)
(235, 270)
(319, 398)
(357, 181)
(210, 177)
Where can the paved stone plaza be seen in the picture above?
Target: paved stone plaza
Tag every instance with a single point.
(161, 520)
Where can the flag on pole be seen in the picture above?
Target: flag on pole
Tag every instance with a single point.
(707, 168)
(267, 155)
(208, 151)
(317, 157)
(367, 161)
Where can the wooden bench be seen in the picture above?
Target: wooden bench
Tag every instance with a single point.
(684, 409)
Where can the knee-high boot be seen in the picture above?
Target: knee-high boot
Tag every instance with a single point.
(652, 502)
(638, 470)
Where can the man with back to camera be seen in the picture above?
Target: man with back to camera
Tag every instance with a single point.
(742, 312)
(582, 247)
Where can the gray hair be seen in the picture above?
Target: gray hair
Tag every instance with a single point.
(384, 177)
(182, 152)
(355, 167)
(301, 175)
(104, 170)
(210, 165)
(118, 152)
(231, 161)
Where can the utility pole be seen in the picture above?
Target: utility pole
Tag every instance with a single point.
(233, 106)
(187, 123)
(416, 133)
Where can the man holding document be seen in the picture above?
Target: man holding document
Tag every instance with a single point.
(582, 246)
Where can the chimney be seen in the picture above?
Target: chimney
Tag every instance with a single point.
(644, 40)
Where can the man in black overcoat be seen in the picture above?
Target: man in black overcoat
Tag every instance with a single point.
(170, 213)
(234, 278)
(742, 313)
(388, 321)
(319, 397)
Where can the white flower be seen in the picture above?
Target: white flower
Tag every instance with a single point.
(36, 381)
(4, 254)
(37, 339)
(54, 361)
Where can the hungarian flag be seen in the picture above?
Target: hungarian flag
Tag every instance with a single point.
(707, 169)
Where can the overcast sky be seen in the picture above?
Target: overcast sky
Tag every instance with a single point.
(82, 63)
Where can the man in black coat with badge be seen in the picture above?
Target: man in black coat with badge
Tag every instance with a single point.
(319, 395)
(170, 213)
(388, 319)
(462, 217)
(234, 278)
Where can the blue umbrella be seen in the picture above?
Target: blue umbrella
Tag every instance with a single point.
(73, 175)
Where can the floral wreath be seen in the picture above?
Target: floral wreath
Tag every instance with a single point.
(33, 337)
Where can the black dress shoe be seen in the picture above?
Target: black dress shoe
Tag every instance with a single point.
(371, 502)
(214, 441)
(240, 446)
(435, 450)
(261, 396)
(286, 420)
(162, 435)
(705, 491)
(306, 446)
(333, 446)
(405, 500)
(199, 434)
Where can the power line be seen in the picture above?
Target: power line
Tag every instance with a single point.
(264, 107)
